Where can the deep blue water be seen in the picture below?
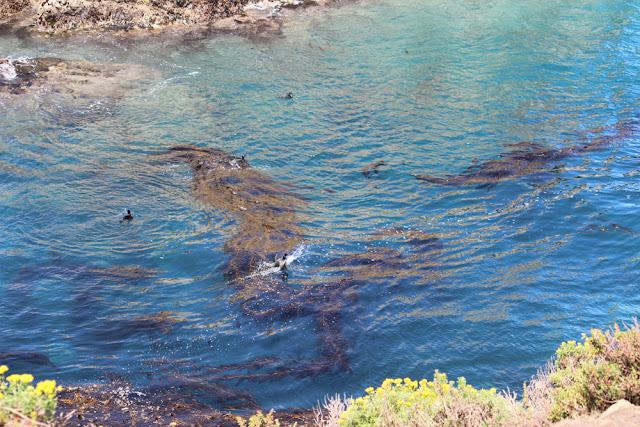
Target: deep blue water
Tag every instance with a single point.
(425, 86)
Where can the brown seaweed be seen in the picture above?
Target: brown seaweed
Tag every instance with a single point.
(268, 223)
(528, 158)
(118, 404)
(373, 169)
(266, 211)
(610, 227)
(267, 216)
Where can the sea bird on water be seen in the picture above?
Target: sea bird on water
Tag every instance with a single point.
(127, 217)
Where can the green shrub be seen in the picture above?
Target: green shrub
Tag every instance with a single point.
(589, 377)
(259, 420)
(20, 400)
(399, 402)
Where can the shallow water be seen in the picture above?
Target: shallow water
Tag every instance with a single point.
(426, 87)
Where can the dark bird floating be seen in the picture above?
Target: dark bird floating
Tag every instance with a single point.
(127, 217)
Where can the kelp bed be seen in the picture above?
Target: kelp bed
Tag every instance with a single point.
(268, 222)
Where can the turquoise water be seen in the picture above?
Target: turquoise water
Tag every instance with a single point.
(426, 87)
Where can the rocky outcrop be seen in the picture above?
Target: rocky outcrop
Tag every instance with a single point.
(248, 17)
(66, 15)
(622, 413)
(8, 8)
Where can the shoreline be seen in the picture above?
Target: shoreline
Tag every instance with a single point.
(64, 18)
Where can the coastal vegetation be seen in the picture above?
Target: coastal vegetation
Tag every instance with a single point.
(21, 401)
(584, 378)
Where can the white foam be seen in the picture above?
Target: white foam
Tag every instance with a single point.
(267, 268)
(8, 71)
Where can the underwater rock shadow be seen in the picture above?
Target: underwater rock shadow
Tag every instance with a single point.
(31, 357)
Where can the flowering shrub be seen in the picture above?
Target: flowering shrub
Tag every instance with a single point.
(401, 402)
(19, 399)
(589, 377)
(259, 420)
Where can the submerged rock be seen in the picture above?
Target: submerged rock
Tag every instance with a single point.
(72, 78)
(67, 92)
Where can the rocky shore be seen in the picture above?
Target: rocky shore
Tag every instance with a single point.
(65, 16)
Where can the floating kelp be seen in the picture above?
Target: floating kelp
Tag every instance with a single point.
(268, 224)
(119, 329)
(132, 271)
(418, 253)
(266, 211)
(529, 157)
(610, 227)
(90, 315)
(420, 241)
(86, 274)
(373, 169)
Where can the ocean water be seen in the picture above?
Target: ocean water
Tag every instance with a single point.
(497, 277)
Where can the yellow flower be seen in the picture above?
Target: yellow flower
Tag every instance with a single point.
(369, 390)
(46, 387)
(3, 369)
(492, 390)
(398, 381)
(358, 401)
(400, 402)
(407, 380)
(1, 395)
(13, 378)
(26, 378)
